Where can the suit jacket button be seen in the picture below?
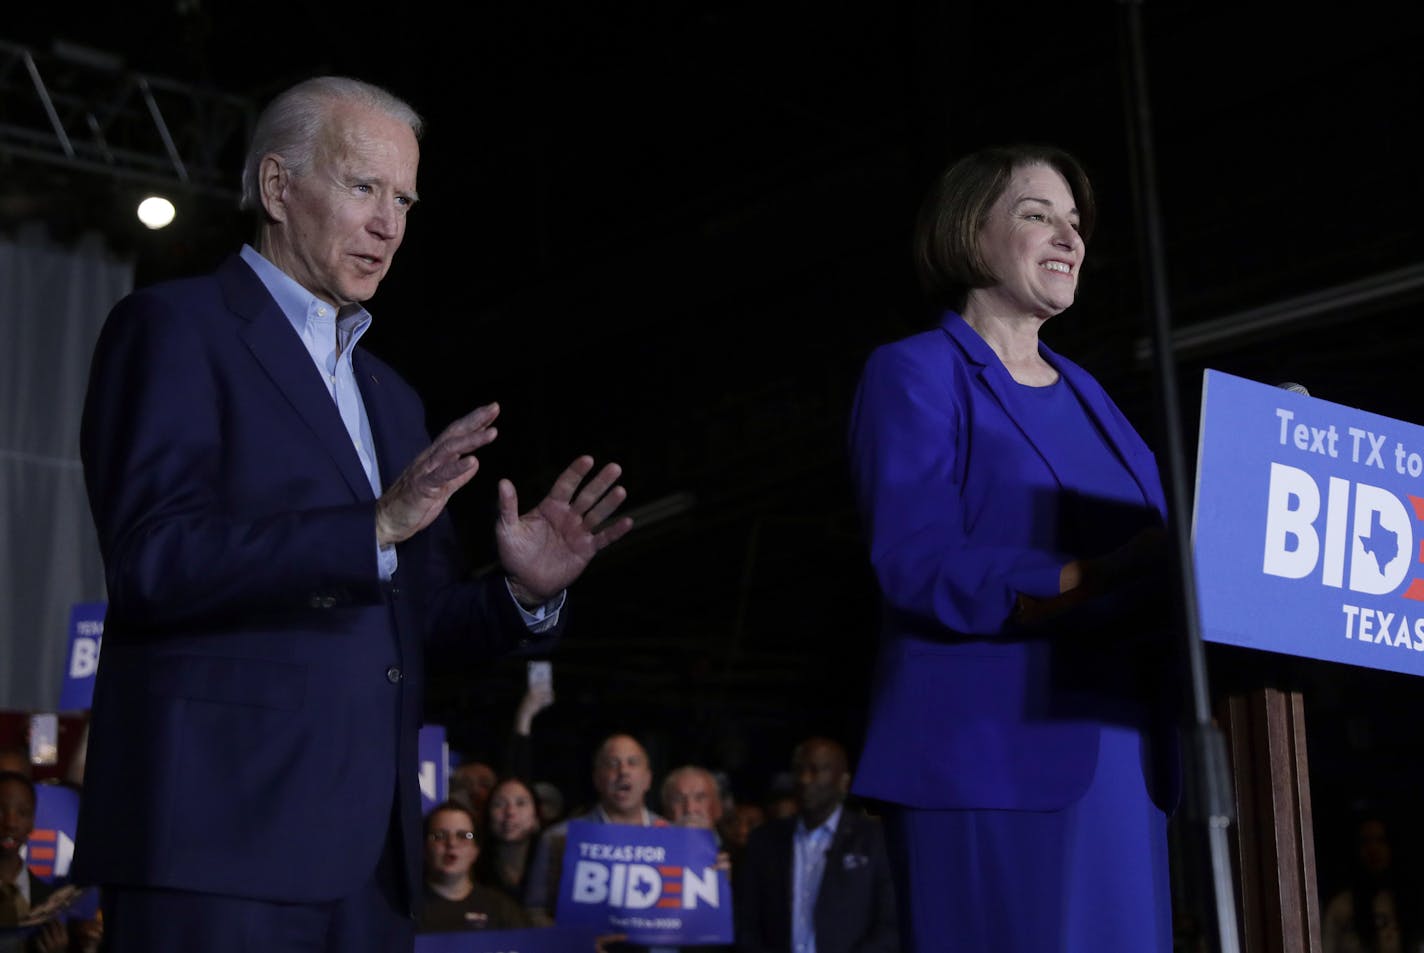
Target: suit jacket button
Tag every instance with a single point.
(393, 675)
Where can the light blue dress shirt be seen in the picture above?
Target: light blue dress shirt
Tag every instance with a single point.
(809, 848)
(321, 327)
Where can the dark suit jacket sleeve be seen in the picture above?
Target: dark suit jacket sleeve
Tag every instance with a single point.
(163, 395)
(908, 457)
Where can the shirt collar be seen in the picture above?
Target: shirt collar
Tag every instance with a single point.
(604, 819)
(827, 829)
(301, 306)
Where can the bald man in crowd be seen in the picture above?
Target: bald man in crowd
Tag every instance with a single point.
(819, 881)
(621, 777)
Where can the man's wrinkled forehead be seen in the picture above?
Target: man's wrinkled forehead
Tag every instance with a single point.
(364, 143)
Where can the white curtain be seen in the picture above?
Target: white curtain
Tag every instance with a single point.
(53, 300)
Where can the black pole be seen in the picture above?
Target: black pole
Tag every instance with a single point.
(1208, 777)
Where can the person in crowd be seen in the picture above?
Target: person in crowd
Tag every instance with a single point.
(22, 891)
(1382, 909)
(453, 900)
(819, 880)
(519, 756)
(690, 798)
(272, 518)
(1014, 520)
(737, 825)
(508, 836)
(471, 783)
(19, 888)
(621, 778)
(780, 797)
(550, 802)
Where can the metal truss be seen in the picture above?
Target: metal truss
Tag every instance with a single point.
(82, 110)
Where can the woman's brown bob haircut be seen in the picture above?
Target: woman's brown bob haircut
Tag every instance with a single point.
(957, 207)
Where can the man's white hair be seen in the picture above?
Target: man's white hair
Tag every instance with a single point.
(292, 125)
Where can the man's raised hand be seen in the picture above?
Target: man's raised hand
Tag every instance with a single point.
(547, 548)
(420, 493)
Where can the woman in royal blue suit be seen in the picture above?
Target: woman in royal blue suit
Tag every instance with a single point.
(1013, 513)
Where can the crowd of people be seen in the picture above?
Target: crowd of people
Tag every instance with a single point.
(485, 842)
(493, 859)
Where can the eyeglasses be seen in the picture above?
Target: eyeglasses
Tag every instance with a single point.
(441, 837)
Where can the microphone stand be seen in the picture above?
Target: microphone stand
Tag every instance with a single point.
(1208, 778)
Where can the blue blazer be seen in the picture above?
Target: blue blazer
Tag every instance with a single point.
(962, 509)
(256, 707)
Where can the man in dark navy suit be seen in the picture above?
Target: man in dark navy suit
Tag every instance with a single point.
(271, 515)
(819, 881)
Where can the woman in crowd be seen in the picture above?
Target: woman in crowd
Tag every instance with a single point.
(1010, 509)
(453, 901)
(511, 830)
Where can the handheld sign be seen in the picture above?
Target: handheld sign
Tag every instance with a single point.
(1308, 531)
(86, 633)
(658, 885)
(434, 767)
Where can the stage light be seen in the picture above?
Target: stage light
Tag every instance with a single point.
(155, 211)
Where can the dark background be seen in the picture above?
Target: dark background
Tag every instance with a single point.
(669, 233)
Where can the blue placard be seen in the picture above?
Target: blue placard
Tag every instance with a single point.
(434, 767)
(657, 885)
(544, 940)
(51, 844)
(86, 632)
(1306, 527)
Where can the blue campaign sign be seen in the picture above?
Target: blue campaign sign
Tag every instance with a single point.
(86, 631)
(51, 844)
(1305, 528)
(50, 848)
(658, 885)
(543, 940)
(434, 767)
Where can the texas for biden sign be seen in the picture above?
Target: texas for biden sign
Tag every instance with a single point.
(655, 884)
(1309, 527)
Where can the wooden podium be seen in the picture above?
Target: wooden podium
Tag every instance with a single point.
(1264, 728)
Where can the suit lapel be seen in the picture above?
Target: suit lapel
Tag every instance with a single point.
(1125, 443)
(997, 380)
(269, 335)
(835, 852)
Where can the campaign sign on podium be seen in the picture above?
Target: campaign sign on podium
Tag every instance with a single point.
(1308, 534)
